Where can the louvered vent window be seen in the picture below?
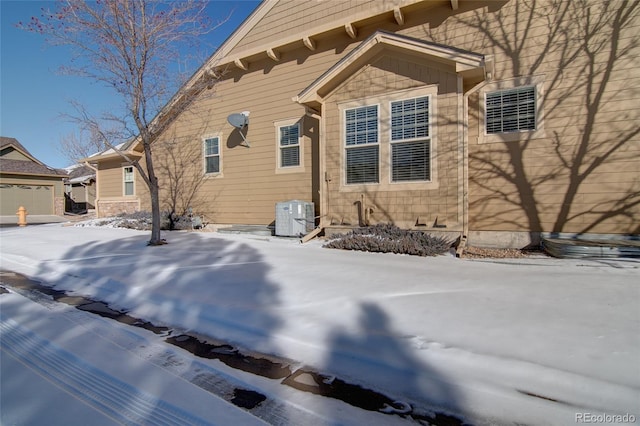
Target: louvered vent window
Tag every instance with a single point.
(511, 110)
(410, 140)
(362, 149)
(290, 146)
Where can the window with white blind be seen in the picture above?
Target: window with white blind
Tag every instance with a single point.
(389, 140)
(512, 110)
(289, 145)
(362, 155)
(129, 183)
(410, 140)
(212, 155)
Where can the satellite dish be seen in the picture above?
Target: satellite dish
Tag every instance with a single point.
(240, 121)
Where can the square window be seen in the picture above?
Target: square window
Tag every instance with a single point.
(410, 161)
(512, 110)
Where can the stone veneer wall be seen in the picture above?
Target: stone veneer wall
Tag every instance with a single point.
(59, 206)
(108, 208)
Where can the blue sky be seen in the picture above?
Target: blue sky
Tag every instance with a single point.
(34, 96)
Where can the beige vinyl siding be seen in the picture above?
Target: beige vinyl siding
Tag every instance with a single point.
(501, 198)
(249, 187)
(110, 179)
(513, 186)
(293, 17)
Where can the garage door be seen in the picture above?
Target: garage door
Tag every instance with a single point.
(37, 199)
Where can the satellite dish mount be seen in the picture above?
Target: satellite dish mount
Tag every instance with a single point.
(240, 121)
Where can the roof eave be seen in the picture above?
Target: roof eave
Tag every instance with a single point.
(8, 172)
(110, 156)
(463, 61)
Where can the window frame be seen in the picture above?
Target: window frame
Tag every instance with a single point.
(384, 135)
(299, 122)
(413, 140)
(205, 156)
(537, 83)
(125, 181)
(359, 146)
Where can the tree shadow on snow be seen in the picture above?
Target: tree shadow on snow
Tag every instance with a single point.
(209, 284)
(208, 287)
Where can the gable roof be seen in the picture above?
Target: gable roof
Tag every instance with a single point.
(24, 167)
(6, 142)
(80, 173)
(127, 148)
(226, 56)
(462, 61)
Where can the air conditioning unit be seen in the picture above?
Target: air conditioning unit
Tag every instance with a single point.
(294, 218)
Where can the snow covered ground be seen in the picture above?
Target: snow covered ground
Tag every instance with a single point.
(533, 341)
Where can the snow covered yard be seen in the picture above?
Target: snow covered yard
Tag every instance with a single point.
(534, 340)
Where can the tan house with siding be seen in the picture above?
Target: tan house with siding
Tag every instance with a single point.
(28, 182)
(499, 120)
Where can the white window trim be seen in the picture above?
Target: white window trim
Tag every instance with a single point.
(384, 140)
(124, 182)
(419, 139)
(537, 81)
(285, 123)
(204, 157)
(343, 114)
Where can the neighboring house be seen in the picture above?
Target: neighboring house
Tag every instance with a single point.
(500, 120)
(116, 188)
(28, 182)
(80, 189)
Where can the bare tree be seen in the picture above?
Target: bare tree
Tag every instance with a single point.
(181, 175)
(132, 46)
(74, 147)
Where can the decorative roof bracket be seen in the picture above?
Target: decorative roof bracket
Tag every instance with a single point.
(273, 54)
(240, 64)
(399, 17)
(351, 30)
(311, 45)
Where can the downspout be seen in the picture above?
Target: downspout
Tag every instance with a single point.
(323, 185)
(465, 151)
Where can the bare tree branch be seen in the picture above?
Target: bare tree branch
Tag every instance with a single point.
(132, 46)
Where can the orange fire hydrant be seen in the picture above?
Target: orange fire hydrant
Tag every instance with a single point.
(22, 216)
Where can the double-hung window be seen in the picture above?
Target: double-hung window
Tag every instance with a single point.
(289, 145)
(362, 147)
(410, 140)
(129, 187)
(212, 155)
(512, 110)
